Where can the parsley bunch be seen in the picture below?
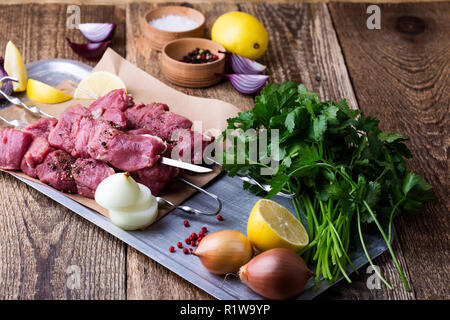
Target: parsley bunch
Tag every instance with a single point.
(345, 172)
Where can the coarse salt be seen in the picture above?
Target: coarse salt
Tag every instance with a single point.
(174, 23)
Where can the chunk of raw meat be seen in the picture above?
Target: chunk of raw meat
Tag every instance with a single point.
(42, 127)
(116, 116)
(56, 170)
(88, 173)
(13, 145)
(191, 146)
(156, 177)
(157, 118)
(61, 136)
(35, 155)
(101, 140)
(115, 99)
(127, 152)
(39, 147)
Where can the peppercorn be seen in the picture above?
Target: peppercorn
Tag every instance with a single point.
(199, 56)
(172, 249)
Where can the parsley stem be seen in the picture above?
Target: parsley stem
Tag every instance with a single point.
(399, 269)
(367, 253)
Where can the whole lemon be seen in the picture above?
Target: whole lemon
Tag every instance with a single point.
(241, 33)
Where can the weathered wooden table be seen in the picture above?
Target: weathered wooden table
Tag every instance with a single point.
(399, 74)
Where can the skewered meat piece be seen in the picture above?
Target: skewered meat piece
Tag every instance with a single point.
(60, 136)
(170, 127)
(39, 147)
(56, 170)
(13, 145)
(111, 107)
(88, 173)
(115, 99)
(82, 136)
(157, 118)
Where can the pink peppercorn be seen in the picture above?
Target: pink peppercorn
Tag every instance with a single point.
(219, 217)
(179, 244)
(186, 223)
(172, 249)
(185, 251)
(204, 230)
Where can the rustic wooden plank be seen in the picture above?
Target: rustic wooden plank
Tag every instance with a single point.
(117, 2)
(40, 239)
(401, 75)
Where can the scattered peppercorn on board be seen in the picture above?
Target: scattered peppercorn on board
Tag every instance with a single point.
(397, 74)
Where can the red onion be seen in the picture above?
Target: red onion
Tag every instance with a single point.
(247, 83)
(7, 86)
(89, 50)
(96, 32)
(243, 65)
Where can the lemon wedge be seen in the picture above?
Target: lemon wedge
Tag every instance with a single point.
(271, 225)
(97, 84)
(41, 92)
(15, 67)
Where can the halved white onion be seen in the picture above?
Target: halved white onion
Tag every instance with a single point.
(118, 191)
(136, 219)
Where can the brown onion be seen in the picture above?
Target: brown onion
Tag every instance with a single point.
(224, 251)
(276, 274)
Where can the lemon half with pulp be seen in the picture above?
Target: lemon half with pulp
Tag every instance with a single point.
(97, 84)
(271, 225)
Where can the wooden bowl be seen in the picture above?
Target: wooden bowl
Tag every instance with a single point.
(158, 38)
(188, 74)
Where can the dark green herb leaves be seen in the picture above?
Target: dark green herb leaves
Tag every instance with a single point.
(340, 165)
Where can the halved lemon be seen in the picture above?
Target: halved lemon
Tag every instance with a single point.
(41, 92)
(97, 84)
(270, 225)
(15, 67)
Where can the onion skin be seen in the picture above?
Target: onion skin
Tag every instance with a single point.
(276, 274)
(224, 251)
(89, 50)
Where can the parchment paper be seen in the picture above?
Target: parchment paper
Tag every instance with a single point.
(144, 88)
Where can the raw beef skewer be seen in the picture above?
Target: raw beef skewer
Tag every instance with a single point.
(157, 119)
(82, 136)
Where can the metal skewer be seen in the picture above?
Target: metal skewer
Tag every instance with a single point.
(191, 210)
(250, 180)
(19, 102)
(187, 209)
(15, 123)
(36, 110)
